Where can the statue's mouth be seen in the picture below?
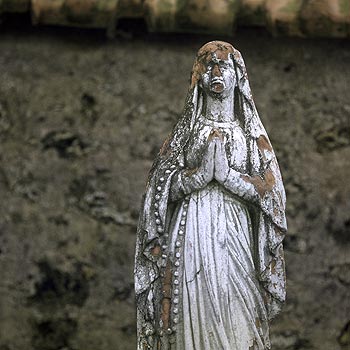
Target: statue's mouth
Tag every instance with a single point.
(217, 85)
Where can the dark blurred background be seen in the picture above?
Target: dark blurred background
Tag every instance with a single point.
(82, 118)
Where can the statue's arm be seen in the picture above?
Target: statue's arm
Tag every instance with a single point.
(183, 184)
(232, 180)
(235, 183)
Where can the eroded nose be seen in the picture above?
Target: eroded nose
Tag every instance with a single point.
(216, 72)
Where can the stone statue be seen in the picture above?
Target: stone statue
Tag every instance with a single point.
(209, 268)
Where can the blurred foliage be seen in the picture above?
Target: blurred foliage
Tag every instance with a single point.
(326, 18)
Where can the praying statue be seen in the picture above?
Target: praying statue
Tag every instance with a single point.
(209, 266)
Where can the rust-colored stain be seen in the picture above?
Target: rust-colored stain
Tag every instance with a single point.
(215, 133)
(278, 232)
(222, 51)
(257, 322)
(273, 266)
(156, 250)
(165, 149)
(166, 301)
(262, 185)
(266, 298)
(263, 143)
(190, 172)
(265, 184)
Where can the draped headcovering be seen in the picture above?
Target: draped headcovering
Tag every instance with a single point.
(268, 216)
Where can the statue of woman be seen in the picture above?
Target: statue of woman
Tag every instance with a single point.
(209, 272)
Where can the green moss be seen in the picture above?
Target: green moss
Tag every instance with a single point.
(293, 6)
(184, 23)
(165, 7)
(344, 6)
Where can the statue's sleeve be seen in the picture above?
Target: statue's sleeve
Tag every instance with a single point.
(270, 223)
(184, 182)
(236, 184)
(271, 263)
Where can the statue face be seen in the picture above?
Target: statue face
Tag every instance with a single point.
(219, 78)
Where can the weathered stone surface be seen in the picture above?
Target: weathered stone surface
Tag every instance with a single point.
(14, 5)
(344, 337)
(53, 247)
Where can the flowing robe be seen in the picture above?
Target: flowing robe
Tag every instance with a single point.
(218, 302)
(249, 261)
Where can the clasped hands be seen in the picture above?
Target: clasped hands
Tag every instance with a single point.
(215, 165)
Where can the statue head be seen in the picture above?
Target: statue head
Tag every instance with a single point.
(234, 84)
(214, 69)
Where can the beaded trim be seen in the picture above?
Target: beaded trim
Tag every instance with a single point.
(178, 248)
